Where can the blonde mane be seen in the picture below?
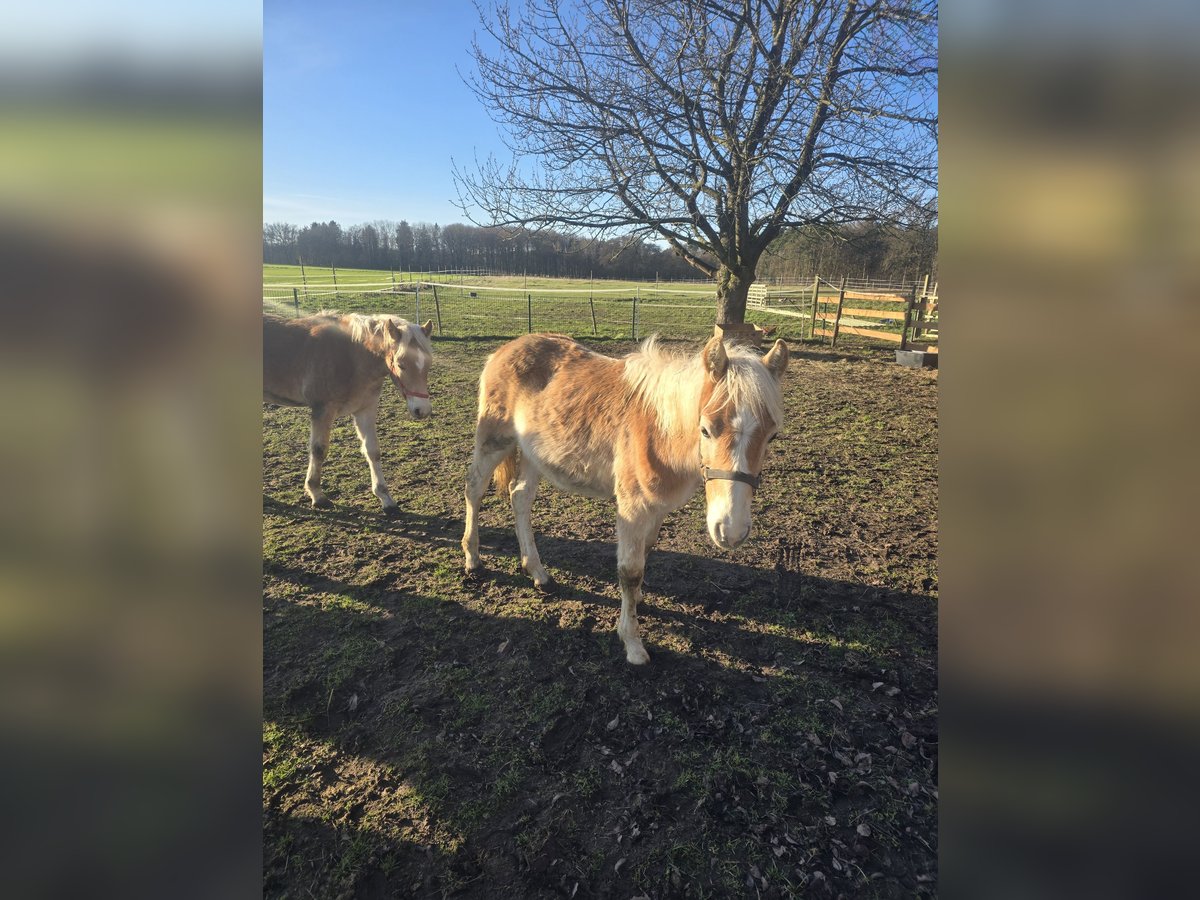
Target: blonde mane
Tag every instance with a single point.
(669, 385)
(370, 330)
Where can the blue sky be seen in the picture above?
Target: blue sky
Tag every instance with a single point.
(363, 110)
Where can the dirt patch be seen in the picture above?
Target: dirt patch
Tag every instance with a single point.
(425, 737)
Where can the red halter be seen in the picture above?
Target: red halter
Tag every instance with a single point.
(403, 390)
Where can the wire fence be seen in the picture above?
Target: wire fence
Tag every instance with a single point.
(466, 310)
(460, 307)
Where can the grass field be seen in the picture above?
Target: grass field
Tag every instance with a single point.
(507, 305)
(430, 739)
(275, 275)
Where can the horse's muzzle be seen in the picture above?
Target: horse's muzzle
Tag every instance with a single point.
(721, 536)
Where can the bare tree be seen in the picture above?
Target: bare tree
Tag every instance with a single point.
(711, 125)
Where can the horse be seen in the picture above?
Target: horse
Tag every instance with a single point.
(336, 364)
(647, 429)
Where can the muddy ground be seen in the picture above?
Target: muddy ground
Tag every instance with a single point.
(427, 738)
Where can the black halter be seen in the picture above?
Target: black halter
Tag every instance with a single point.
(721, 474)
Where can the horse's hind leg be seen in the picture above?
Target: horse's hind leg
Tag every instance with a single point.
(318, 446)
(490, 451)
(522, 493)
(364, 424)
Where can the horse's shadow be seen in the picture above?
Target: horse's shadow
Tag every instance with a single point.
(682, 589)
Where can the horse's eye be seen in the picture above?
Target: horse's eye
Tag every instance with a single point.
(704, 431)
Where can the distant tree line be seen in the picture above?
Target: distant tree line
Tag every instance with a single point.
(873, 251)
(862, 250)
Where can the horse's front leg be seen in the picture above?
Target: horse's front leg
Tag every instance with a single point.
(318, 445)
(635, 533)
(365, 425)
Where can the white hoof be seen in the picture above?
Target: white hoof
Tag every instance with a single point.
(636, 655)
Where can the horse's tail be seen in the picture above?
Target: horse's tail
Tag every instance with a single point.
(506, 473)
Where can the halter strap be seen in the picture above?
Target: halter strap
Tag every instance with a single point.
(399, 382)
(721, 474)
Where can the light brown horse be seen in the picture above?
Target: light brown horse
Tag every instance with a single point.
(647, 429)
(336, 364)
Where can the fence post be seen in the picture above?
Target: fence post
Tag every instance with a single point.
(296, 300)
(393, 274)
(529, 311)
(335, 287)
(837, 320)
(812, 331)
(592, 302)
(923, 298)
(908, 311)
(635, 305)
(418, 302)
(304, 279)
(437, 309)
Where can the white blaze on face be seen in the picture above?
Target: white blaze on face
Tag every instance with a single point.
(414, 363)
(729, 502)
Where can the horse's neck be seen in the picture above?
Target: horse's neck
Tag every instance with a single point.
(675, 407)
(374, 341)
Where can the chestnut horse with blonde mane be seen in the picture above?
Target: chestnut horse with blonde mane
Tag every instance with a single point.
(335, 365)
(648, 430)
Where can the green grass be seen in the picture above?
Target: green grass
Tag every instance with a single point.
(501, 307)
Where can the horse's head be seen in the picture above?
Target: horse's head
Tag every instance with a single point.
(741, 410)
(409, 354)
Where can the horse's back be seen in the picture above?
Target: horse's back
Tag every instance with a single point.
(535, 368)
(303, 358)
(531, 362)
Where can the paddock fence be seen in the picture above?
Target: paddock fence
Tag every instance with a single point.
(460, 305)
(903, 313)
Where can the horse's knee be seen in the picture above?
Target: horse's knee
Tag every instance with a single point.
(630, 577)
(317, 452)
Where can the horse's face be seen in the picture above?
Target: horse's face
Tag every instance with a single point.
(735, 429)
(408, 363)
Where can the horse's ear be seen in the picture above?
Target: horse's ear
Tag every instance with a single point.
(716, 360)
(428, 328)
(776, 359)
(392, 331)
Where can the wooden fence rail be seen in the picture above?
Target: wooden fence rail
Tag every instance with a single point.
(916, 314)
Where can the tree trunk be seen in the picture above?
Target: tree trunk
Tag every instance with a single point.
(733, 287)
